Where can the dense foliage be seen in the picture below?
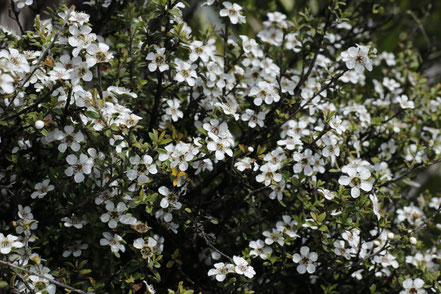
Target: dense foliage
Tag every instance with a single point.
(142, 156)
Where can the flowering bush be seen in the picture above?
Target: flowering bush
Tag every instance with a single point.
(146, 156)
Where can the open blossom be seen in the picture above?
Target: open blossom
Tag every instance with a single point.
(73, 221)
(69, 139)
(82, 37)
(306, 260)
(78, 167)
(233, 11)
(357, 178)
(221, 147)
(114, 241)
(340, 249)
(413, 286)
(259, 249)
(98, 54)
(274, 237)
(242, 267)
(41, 285)
(41, 189)
(6, 83)
(173, 111)
(405, 103)
(199, 50)
(147, 249)
(357, 58)
(286, 226)
(185, 72)
(22, 3)
(7, 243)
(268, 174)
(253, 118)
(76, 249)
(157, 59)
(113, 214)
(221, 270)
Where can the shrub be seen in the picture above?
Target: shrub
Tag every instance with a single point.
(142, 154)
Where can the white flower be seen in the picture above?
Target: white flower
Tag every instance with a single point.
(305, 260)
(23, 3)
(375, 205)
(6, 83)
(82, 37)
(233, 11)
(264, 92)
(98, 53)
(147, 249)
(358, 178)
(73, 221)
(292, 43)
(15, 61)
(198, 50)
(336, 124)
(113, 241)
(340, 249)
(253, 118)
(413, 286)
(69, 139)
(173, 111)
(75, 249)
(287, 226)
(357, 57)
(170, 199)
(184, 72)
(79, 17)
(268, 174)
(353, 237)
(8, 243)
(221, 147)
(79, 167)
(245, 163)
(242, 267)
(274, 236)
(405, 102)
(391, 84)
(142, 167)
(277, 190)
(221, 270)
(41, 285)
(157, 60)
(259, 249)
(304, 163)
(80, 70)
(113, 214)
(42, 189)
(327, 194)
(60, 73)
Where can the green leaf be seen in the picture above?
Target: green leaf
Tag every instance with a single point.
(85, 271)
(92, 114)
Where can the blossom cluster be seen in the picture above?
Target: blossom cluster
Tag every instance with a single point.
(163, 155)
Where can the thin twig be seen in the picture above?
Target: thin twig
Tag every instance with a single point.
(12, 266)
(42, 57)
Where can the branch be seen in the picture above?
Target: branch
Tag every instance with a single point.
(12, 266)
(418, 167)
(42, 57)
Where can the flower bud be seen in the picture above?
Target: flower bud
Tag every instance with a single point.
(39, 124)
(413, 240)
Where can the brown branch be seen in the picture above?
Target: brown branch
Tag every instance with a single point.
(12, 266)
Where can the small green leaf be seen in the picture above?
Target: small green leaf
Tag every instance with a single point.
(92, 114)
